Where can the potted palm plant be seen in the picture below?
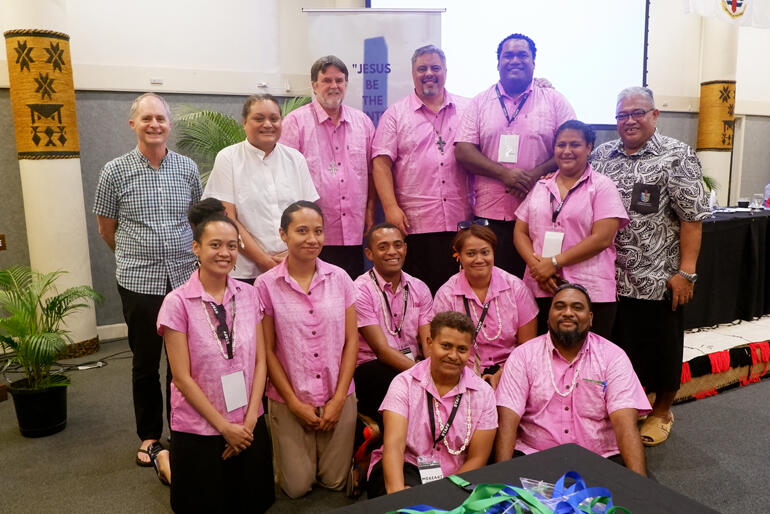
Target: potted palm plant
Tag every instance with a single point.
(31, 314)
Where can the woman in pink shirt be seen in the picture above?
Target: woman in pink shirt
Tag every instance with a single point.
(211, 325)
(312, 343)
(502, 309)
(440, 418)
(565, 229)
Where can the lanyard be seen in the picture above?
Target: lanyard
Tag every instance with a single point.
(481, 318)
(396, 330)
(505, 109)
(555, 213)
(449, 421)
(223, 333)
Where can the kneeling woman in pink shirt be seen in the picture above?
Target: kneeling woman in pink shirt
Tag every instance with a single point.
(440, 417)
(211, 325)
(312, 343)
(565, 229)
(501, 307)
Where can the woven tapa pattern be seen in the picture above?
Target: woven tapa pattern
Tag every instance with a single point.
(42, 94)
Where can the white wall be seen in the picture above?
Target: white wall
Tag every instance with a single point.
(230, 46)
(674, 61)
(188, 46)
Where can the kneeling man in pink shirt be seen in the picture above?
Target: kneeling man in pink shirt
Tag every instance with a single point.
(440, 417)
(571, 386)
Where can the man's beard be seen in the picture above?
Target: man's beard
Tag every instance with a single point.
(568, 338)
(430, 92)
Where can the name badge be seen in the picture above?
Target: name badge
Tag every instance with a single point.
(234, 388)
(645, 198)
(430, 469)
(552, 242)
(508, 151)
(408, 353)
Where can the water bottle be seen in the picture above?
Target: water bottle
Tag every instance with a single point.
(767, 196)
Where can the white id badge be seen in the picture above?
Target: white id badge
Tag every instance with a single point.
(552, 243)
(430, 469)
(508, 151)
(408, 353)
(234, 387)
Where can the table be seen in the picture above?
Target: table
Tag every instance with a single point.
(639, 494)
(733, 270)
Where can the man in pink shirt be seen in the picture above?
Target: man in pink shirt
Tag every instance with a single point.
(506, 140)
(571, 386)
(440, 417)
(394, 313)
(423, 190)
(336, 141)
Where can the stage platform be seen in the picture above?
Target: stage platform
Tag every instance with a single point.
(729, 355)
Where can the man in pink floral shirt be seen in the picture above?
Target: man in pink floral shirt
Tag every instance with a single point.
(571, 386)
(506, 140)
(336, 141)
(423, 190)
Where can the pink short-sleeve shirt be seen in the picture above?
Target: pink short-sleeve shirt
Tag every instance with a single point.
(484, 121)
(407, 397)
(606, 382)
(511, 306)
(371, 309)
(309, 328)
(338, 159)
(592, 198)
(430, 186)
(183, 310)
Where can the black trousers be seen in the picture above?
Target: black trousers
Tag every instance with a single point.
(349, 258)
(429, 258)
(141, 314)
(506, 256)
(202, 482)
(376, 484)
(372, 380)
(652, 336)
(604, 317)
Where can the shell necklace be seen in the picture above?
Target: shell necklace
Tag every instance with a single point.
(467, 426)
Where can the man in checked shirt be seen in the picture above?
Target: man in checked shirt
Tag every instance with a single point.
(141, 205)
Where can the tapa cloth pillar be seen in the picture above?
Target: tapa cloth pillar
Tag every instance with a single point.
(42, 94)
(44, 115)
(716, 115)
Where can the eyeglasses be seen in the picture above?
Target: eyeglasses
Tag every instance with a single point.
(482, 222)
(637, 115)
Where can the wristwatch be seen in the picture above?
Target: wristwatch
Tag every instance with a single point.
(692, 277)
(555, 264)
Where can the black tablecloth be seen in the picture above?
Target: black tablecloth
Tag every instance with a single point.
(638, 494)
(733, 270)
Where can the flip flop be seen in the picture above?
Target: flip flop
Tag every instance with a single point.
(154, 450)
(655, 430)
(142, 463)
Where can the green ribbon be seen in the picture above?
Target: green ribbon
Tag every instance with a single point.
(485, 496)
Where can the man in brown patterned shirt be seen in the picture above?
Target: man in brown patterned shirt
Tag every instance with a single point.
(660, 182)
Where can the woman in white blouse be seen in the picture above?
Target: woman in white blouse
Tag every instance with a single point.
(256, 180)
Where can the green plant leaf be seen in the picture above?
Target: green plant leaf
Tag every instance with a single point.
(32, 312)
(61, 305)
(289, 104)
(202, 133)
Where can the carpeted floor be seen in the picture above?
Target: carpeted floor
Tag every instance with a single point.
(717, 453)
